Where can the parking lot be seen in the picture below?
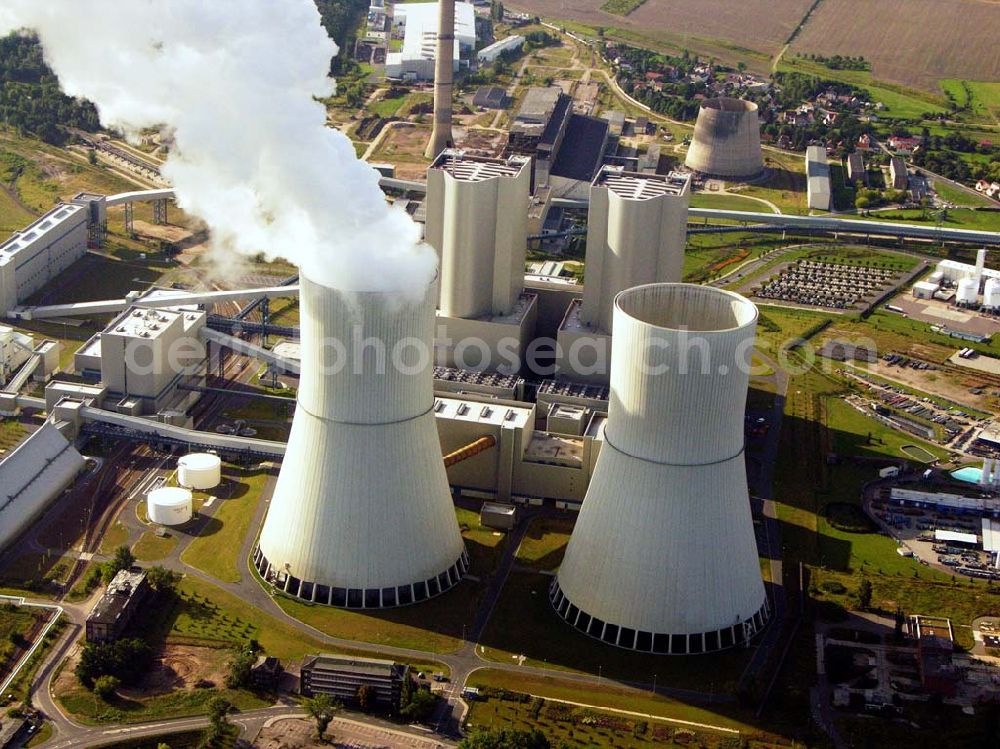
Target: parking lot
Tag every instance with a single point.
(831, 285)
(914, 528)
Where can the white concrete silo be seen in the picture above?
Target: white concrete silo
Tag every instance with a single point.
(968, 292)
(169, 505)
(991, 294)
(726, 140)
(663, 557)
(199, 471)
(362, 515)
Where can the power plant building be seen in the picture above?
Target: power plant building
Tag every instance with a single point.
(477, 222)
(663, 557)
(145, 355)
(362, 515)
(636, 233)
(41, 251)
(726, 141)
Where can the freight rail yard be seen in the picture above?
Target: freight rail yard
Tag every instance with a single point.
(485, 505)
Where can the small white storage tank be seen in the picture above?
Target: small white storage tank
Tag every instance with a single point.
(968, 291)
(991, 296)
(199, 471)
(169, 505)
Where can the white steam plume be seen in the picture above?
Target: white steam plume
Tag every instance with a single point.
(235, 80)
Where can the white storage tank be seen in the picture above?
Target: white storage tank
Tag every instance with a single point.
(199, 471)
(968, 291)
(991, 296)
(169, 505)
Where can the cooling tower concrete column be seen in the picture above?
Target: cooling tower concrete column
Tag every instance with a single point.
(663, 557)
(362, 515)
(726, 141)
(444, 72)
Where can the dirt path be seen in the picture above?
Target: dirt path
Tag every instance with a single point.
(11, 192)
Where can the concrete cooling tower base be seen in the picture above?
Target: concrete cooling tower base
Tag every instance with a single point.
(369, 553)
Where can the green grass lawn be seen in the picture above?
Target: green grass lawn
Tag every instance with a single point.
(14, 621)
(981, 98)
(851, 430)
(115, 536)
(524, 624)
(565, 723)
(957, 218)
(545, 542)
(153, 548)
(952, 194)
(386, 107)
(12, 432)
(216, 549)
(727, 202)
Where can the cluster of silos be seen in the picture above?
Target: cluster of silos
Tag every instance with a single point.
(991, 294)
(663, 557)
(726, 140)
(361, 515)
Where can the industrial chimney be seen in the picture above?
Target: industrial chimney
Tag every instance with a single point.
(362, 515)
(444, 71)
(663, 557)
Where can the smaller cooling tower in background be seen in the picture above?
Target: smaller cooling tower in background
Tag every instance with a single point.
(663, 557)
(726, 141)
(362, 515)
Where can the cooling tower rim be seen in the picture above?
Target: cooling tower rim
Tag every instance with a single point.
(726, 104)
(744, 310)
(398, 294)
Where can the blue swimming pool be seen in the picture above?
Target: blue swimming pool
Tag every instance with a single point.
(969, 474)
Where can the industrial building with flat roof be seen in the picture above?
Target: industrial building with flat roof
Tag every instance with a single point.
(343, 676)
(418, 23)
(145, 355)
(818, 179)
(539, 127)
(41, 251)
(116, 608)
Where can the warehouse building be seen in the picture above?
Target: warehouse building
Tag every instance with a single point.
(897, 173)
(342, 676)
(818, 176)
(856, 171)
(493, 51)
(32, 476)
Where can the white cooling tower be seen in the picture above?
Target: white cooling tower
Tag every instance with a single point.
(968, 291)
(726, 140)
(663, 557)
(362, 515)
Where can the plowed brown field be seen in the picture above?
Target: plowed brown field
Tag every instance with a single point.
(912, 42)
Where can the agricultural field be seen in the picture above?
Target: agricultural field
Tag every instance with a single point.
(916, 43)
(980, 100)
(755, 26)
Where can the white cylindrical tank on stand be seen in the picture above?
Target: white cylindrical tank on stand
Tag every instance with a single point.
(199, 471)
(991, 296)
(968, 291)
(169, 505)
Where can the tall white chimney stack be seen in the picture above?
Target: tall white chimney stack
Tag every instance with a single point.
(444, 70)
